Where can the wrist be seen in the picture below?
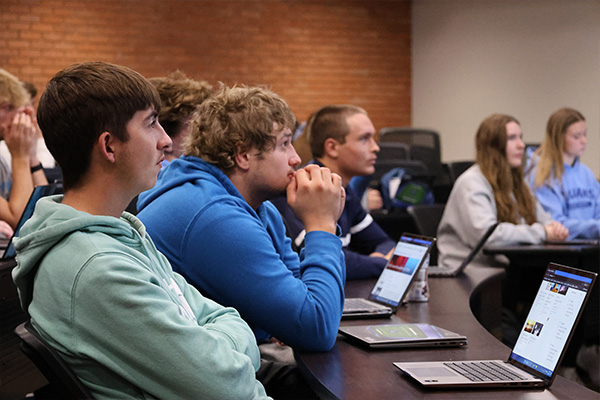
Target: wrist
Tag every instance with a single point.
(36, 168)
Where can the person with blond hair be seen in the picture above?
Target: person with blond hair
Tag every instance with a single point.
(565, 187)
(493, 190)
(342, 138)
(19, 130)
(210, 214)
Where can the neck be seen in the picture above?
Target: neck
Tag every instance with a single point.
(242, 184)
(569, 160)
(98, 197)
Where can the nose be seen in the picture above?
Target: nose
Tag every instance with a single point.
(164, 142)
(374, 146)
(295, 159)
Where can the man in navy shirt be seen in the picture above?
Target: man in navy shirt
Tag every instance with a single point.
(342, 138)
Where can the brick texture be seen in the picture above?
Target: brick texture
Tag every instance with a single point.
(312, 53)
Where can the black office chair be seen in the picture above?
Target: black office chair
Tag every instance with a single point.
(426, 218)
(64, 384)
(455, 168)
(424, 145)
(393, 151)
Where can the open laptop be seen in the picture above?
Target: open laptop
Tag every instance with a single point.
(438, 271)
(390, 289)
(402, 335)
(541, 345)
(38, 193)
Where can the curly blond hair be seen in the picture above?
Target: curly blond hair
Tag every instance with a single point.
(234, 120)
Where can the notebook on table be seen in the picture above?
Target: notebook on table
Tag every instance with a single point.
(402, 335)
(389, 291)
(438, 271)
(38, 193)
(542, 343)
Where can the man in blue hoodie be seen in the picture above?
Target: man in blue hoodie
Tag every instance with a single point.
(209, 214)
(96, 288)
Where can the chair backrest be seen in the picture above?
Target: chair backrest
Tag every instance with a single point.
(426, 218)
(393, 151)
(424, 145)
(455, 168)
(64, 381)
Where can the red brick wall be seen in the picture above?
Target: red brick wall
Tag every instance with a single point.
(310, 52)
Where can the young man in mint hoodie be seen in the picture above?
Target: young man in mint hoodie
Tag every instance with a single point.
(90, 277)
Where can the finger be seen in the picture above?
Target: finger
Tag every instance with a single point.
(336, 179)
(326, 175)
(301, 176)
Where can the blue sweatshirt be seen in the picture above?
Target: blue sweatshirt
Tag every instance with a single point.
(109, 303)
(241, 257)
(574, 201)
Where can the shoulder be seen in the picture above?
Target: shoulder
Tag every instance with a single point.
(472, 179)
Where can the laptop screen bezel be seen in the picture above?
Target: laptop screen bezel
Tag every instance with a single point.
(549, 379)
(411, 237)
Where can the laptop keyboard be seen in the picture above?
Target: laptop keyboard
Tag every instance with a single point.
(484, 371)
(360, 304)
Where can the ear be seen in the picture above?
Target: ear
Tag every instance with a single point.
(242, 159)
(106, 144)
(330, 148)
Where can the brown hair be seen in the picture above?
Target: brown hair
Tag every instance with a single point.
(180, 97)
(506, 182)
(80, 103)
(329, 122)
(237, 119)
(550, 163)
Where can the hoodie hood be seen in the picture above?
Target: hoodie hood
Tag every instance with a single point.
(189, 169)
(50, 224)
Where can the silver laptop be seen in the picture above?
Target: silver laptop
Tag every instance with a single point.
(395, 279)
(539, 349)
(443, 272)
(402, 335)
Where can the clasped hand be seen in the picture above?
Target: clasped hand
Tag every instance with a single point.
(317, 197)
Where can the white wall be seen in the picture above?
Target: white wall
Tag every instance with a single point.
(526, 58)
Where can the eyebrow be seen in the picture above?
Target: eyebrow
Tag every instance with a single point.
(153, 114)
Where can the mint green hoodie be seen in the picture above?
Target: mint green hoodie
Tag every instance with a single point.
(101, 294)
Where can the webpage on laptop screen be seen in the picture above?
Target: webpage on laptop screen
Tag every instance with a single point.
(398, 273)
(550, 320)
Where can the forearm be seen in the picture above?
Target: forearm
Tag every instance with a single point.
(22, 186)
(360, 266)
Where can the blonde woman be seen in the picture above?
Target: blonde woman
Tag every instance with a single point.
(493, 190)
(565, 187)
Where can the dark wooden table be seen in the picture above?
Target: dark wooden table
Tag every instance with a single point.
(539, 255)
(350, 372)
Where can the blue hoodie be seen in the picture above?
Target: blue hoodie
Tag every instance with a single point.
(101, 294)
(574, 200)
(242, 258)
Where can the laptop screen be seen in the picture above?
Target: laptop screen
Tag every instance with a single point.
(552, 318)
(393, 283)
